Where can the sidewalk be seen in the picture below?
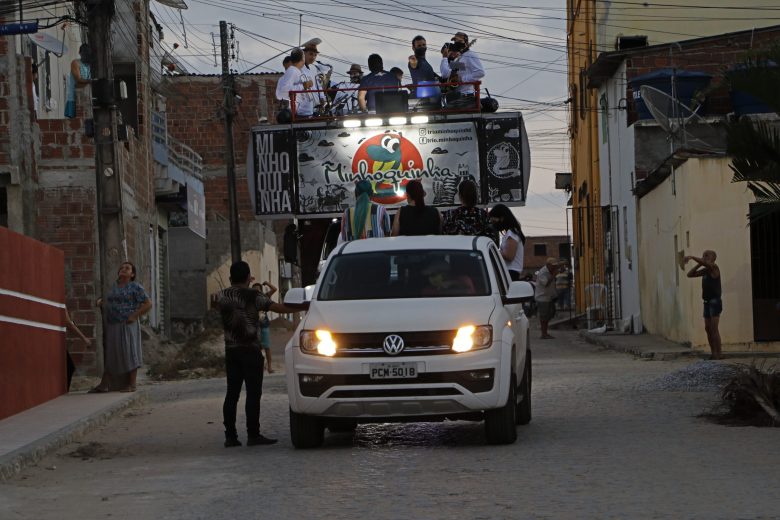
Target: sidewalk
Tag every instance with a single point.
(28, 436)
(643, 345)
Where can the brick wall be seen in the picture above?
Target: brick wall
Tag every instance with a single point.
(713, 56)
(195, 114)
(66, 220)
(533, 261)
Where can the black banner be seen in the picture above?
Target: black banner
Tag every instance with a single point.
(505, 163)
(273, 171)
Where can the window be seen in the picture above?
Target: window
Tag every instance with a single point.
(405, 274)
(563, 250)
(540, 249)
(498, 270)
(3, 207)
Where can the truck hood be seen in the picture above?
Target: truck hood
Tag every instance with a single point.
(417, 314)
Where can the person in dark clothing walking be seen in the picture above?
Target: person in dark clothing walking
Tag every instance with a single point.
(416, 218)
(239, 307)
(708, 270)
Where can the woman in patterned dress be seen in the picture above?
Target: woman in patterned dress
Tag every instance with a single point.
(468, 219)
(125, 303)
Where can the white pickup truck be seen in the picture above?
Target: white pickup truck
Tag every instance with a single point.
(410, 329)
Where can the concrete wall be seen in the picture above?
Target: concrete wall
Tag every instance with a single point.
(662, 24)
(187, 271)
(704, 211)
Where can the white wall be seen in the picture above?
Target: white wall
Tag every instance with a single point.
(616, 152)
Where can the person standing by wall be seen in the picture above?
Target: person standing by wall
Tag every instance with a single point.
(512, 239)
(563, 286)
(122, 307)
(240, 308)
(708, 270)
(545, 294)
(71, 326)
(80, 76)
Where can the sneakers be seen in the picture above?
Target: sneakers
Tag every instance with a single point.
(232, 442)
(259, 440)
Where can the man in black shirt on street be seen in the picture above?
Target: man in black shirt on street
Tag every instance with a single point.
(239, 306)
(709, 272)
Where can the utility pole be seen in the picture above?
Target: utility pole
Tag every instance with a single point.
(227, 85)
(111, 235)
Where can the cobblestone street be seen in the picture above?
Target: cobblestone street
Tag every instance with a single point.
(602, 444)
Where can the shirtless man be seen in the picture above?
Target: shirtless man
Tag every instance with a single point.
(707, 269)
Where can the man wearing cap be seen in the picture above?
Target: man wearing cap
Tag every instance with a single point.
(311, 72)
(458, 59)
(545, 294)
(346, 101)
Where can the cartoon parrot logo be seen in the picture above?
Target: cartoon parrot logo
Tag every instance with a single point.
(387, 154)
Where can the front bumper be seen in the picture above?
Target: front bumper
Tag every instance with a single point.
(445, 384)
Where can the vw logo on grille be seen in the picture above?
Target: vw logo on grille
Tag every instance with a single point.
(393, 344)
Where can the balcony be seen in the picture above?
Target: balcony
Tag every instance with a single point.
(176, 164)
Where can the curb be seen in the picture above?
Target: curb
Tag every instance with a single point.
(14, 462)
(637, 351)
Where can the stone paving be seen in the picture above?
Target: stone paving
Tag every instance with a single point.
(601, 445)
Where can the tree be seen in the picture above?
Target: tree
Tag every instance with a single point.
(754, 146)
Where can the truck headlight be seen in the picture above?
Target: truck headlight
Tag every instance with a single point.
(318, 341)
(472, 337)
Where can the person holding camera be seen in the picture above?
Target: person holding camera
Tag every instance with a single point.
(461, 64)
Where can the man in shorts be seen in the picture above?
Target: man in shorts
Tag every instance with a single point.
(545, 294)
(708, 270)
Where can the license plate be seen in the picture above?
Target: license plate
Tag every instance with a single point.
(392, 370)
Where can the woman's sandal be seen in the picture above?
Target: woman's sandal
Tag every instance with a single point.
(97, 390)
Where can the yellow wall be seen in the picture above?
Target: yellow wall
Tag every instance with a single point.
(583, 128)
(707, 212)
(662, 24)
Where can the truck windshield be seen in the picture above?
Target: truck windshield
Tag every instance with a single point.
(405, 274)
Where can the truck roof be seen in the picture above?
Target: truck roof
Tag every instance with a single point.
(371, 245)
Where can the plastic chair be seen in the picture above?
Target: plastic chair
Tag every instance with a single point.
(595, 302)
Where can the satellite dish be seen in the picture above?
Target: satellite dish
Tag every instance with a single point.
(673, 116)
(49, 43)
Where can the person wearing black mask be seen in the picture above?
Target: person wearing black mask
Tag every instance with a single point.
(419, 68)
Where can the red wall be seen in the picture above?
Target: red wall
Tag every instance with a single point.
(32, 358)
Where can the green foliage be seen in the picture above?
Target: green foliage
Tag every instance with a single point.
(755, 146)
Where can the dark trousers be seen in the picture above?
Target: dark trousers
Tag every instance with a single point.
(514, 275)
(243, 365)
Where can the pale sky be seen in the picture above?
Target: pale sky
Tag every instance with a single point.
(521, 43)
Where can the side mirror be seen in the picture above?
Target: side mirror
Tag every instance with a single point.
(299, 296)
(519, 292)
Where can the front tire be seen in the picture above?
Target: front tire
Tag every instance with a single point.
(306, 431)
(500, 427)
(523, 414)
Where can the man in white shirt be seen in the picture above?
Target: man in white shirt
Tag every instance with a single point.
(293, 80)
(465, 63)
(311, 72)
